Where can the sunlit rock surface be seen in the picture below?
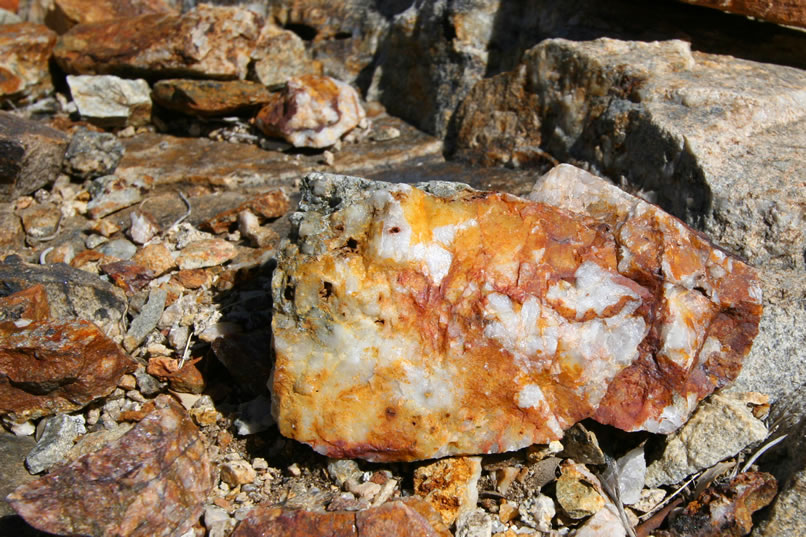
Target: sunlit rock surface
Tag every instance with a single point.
(413, 323)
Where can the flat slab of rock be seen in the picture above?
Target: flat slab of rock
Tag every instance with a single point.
(64, 14)
(111, 101)
(412, 323)
(25, 50)
(210, 97)
(213, 41)
(150, 482)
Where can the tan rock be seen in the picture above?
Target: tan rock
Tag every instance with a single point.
(280, 55)
(238, 472)
(205, 253)
(111, 101)
(578, 491)
(450, 485)
(155, 257)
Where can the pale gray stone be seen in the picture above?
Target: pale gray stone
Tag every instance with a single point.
(120, 248)
(92, 154)
(110, 101)
(632, 473)
(605, 523)
(58, 435)
(8, 17)
(147, 384)
(343, 470)
(146, 320)
(474, 523)
(537, 512)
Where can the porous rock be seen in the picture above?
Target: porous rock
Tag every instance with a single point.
(473, 322)
(450, 485)
(111, 101)
(312, 111)
(25, 50)
(150, 482)
(212, 41)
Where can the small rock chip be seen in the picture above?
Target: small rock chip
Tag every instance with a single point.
(238, 472)
(144, 226)
(210, 97)
(111, 193)
(128, 275)
(475, 523)
(582, 446)
(118, 248)
(578, 491)
(155, 257)
(631, 475)
(269, 205)
(111, 102)
(58, 435)
(537, 512)
(508, 511)
(205, 253)
(648, 500)
(30, 304)
(92, 154)
(450, 485)
(151, 481)
(312, 111)
(146, 320)
(187, 379)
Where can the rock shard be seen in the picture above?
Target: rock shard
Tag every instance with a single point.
(413, 322)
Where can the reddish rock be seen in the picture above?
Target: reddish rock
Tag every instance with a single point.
(25, 50)
(64, 14)
(211, 41)
(789, 12)
(205, 253)
(31, 155)
(187, 379)
(48, 367)
(27, 305)
(156, 257)
(10, 5)
(193, 278)
(210, 97)
(151, 482)
(269, 205)
(312, 111)
(128, 275)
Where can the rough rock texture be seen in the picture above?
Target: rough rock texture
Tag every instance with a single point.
(312, 111)
(450, 485)
(411, 517)
(210, 97)
(110, 101)
(412, 325)
(25, 50)
(212, 41)
(720, 428)
(92, 154)
(280, 55)
(57, 366)
(59, 432)
(578, 491)
(150, 482)
(31, 155)
(790, 12)
(686, 128)
(64, 14)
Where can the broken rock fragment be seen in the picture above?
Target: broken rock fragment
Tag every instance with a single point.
(210, 97)
(25, 50)
(111, 101)
(150, 482)
(312, 111)
(419, 322)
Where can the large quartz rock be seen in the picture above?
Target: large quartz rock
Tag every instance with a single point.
(413, 323)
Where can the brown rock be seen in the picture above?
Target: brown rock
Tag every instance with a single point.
(212, 41)
(25, 50)
(279, 55)
(578, 491)
(411, 517)
(205, 253)
(187, 379)
(56, 366)
(64, 14)
(449, 485)
(193, 278)
(40, 220)
(30, 155)
(269, 205)
(210, 97)
(127, 275)
(150, 482)
(312, 111)
(155, 257)
(789, 12)
(29, 304)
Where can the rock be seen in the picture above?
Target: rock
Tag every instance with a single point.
(605, 523)
(631, 475)
(415, 258)
(187, 379)
(343, 470)
(217, 521)
(450, 485)
(578, 491)
(209, 41)
(156, 257)
(311, 111)
(147, 384)
(28, 305)
(280, 55)
(648, 500)
(64, 14)
(25, 50)
(724, 509)
(146, 320)
(538, 512)
(58, 435)
(269, 205)
(244, 356)
(720, 428)
(72, 293)
(111, 193)
(47, 367)
(254, 416)
(209, 98)
(143, 226)
(8, 17)
(639, 107)
(30, 156)
(40, 221)
(581, 445)
(238, 472)
(475, 523)
(13, 473)
(152, 481)
(118, 248)
(111, 102)
(205, 253)
(92, 154)
(94, 441)
(790, 12)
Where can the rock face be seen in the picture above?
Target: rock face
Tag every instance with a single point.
(25, 50)
(212, 41)
(790, 12)
(413, 323)
(312, 111)
(152, 481)
(681, 126)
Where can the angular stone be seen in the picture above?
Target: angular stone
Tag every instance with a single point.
(472, 322)
(155, 257)
(111, 193)
(31, 155)
(40, 220)
(605, 523)
(146, 320)
(719, 429)
(450, 485)
(110, 101)
(205, 253)
(311, 111)
(30, 304)
(187, 379)
(269, 205)
(152, 481)
(280, 55)
(789, 12)
(238, 472)
(92, 154)
(128, 275)
(631, 475)
(118, 249)
(578, 491)
(25, 50)
(56, 366)
(58, 435)
(210, 97)
(64, 14)
(13, 473)
(212, 41)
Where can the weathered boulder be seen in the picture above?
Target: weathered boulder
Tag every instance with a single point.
(412, 323)
(64, 14)
(215, 42)
(791, 12)
(210, 97)
(150, 482)
(25, 50)
(711, 138)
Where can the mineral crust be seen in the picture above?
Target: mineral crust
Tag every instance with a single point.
(419, 322)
